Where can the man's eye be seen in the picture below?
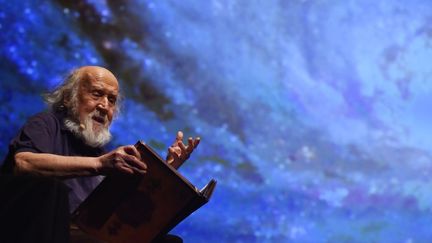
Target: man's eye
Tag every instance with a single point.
(112, 100)
(97, 93)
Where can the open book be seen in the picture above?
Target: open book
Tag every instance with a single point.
(140, 208)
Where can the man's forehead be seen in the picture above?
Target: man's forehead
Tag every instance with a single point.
(100, 81)
(102, 84)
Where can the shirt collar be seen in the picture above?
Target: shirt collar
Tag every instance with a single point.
(61, 116)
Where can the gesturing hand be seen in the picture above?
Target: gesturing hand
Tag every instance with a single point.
(125, 159)
(178, 152)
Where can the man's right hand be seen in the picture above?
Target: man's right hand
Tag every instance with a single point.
(125, 159)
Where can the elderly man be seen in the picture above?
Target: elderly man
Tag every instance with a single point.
(67, 142)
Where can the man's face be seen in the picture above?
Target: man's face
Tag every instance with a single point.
(97, 98)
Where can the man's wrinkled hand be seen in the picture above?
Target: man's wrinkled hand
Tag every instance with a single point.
(125, 159)
(178, 152)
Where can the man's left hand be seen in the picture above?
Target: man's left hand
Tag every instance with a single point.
(178, 152)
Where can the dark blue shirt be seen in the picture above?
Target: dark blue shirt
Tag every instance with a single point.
(45, 133)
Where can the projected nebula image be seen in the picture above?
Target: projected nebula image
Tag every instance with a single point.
(314, 115)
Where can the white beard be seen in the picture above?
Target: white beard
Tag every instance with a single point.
(85, 131)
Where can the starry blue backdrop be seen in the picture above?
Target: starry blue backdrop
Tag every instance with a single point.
(314, 114)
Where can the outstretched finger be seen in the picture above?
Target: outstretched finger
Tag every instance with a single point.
(196, 142)
(173, 153)
(182, 147)
(179, 136)
(190, 146)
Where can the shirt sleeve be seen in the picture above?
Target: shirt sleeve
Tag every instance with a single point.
(37, 135)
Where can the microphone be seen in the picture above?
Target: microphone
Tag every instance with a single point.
(82, 126)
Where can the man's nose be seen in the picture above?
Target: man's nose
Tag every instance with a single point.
(103, 103)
